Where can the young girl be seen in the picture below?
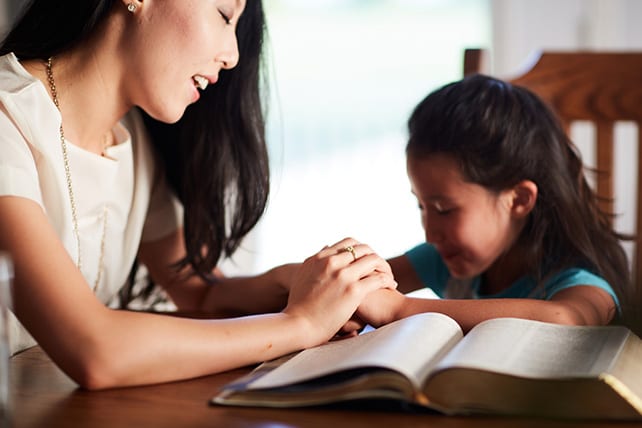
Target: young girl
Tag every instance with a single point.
(116, 116)
(512, 227)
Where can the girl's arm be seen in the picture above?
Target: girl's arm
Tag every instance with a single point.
(405, 274)
(579, 305)
(99, 347)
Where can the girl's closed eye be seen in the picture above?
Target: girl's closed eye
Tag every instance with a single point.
(438, 207)
(441, 208)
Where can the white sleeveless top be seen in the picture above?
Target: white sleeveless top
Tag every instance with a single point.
(127, 182)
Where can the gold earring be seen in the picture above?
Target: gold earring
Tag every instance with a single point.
(131, 7)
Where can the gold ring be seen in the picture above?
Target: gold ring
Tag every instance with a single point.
(350, 249)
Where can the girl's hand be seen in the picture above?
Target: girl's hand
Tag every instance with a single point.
(284, 275)
(381, 307)
(353, 327)
(329, 286)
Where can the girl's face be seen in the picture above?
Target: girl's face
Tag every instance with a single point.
(172, 45)
(469, 226)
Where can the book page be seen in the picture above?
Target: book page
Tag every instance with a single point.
(423, 293)
(411, 346)
(536, 349)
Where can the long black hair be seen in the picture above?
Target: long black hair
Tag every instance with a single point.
(215, 156)
(501, 134)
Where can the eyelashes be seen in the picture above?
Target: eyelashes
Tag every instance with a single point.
(225, 17)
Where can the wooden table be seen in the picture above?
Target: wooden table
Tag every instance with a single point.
(43, 396)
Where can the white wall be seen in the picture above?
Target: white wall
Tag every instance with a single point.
(521, 27)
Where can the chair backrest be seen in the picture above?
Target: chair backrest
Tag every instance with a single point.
(598, 87)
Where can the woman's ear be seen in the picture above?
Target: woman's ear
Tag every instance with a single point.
(524, 198)
(132, 5)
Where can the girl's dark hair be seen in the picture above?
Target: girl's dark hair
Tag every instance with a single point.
(501, 134)
(215, 156)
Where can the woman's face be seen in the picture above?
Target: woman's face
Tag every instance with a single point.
(470, 226)
(173, 46)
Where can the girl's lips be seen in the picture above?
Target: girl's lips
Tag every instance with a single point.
(447, 255)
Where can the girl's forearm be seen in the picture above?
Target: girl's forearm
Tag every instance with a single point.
(468, 312)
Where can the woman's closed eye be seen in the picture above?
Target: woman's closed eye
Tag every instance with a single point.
(226, 16)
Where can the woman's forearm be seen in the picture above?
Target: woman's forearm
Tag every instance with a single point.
(138, 347)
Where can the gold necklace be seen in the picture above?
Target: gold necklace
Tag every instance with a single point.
(72, 200)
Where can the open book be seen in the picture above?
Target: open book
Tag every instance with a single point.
(504, 366)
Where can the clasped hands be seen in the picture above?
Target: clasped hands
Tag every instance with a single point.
(328, 288)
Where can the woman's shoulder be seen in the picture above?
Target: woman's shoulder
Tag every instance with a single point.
(14, 78)
(28, 117)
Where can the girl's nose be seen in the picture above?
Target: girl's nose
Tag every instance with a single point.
(432, 233)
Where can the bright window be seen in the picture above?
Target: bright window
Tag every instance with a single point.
(344, 78)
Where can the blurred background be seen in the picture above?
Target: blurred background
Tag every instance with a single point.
(344, 76)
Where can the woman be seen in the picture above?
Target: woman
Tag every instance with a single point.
(98, 146)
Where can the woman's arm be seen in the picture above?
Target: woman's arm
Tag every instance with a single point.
(99, 347)
(236, 296)
(579, 305)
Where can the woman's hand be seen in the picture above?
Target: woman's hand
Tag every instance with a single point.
(329, 286)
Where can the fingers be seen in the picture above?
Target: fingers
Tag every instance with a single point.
(330, 285)
(375, 281)
(354, 326)
(348, 247)
(350, 250)
(363, 258)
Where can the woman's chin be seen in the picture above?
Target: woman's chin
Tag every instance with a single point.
(168, 117)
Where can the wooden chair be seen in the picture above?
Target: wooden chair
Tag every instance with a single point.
(599, 87)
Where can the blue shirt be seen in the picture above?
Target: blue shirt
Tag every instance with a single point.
(434, 273)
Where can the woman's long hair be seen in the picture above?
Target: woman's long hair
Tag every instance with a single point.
(215, 156)
(501, 134)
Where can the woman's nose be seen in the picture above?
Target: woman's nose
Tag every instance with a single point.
(229, 55)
